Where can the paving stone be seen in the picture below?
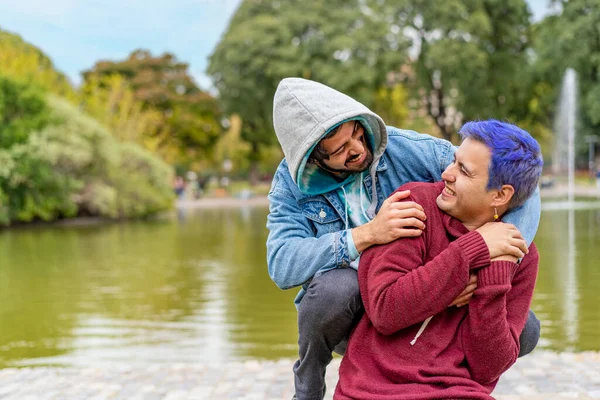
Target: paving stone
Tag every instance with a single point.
(541, 375)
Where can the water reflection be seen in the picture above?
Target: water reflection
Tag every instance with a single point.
(568, 286)
(198, 290)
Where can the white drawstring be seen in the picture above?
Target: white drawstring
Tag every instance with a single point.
(345, 205)
(373, 206)
(362, 209)
(421, 329)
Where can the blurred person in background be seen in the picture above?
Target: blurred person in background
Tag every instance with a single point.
(179, 187)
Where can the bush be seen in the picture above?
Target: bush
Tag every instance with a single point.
(121, 180)
(61, 163)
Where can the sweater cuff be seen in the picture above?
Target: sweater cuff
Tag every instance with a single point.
(474, 248)
(498, 273)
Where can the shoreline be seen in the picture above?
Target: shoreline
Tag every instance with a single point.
(553, 194)
(222, 202)
(557, 193)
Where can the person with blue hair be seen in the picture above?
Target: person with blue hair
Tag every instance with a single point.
(330, 201)
(409, 344)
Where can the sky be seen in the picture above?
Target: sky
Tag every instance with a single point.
(76, 34)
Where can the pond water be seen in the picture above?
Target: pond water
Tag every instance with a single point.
(196, 289)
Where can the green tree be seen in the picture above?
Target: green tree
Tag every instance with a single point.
(29, 187)
(468, 57)
(57, 162)
(191, 117)
(23, 61)
(391, 104)
(111, 101)
(349, 45)
(571, 39)
(22, 110)
(116, 180)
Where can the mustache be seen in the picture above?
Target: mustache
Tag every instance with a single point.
(354, 157)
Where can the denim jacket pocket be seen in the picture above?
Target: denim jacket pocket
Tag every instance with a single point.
(324, 217)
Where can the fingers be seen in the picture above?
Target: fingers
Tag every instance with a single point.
(517, 247)
(515, 233)
(407, 213)
(397, 196)
(521, 244)
(505, 258)
(402, 232)
(465, 296)
(515, 251)
(408, 222)
(468, 291)
(402, 205)
(464, 303)
(472, 278)
(462, 300)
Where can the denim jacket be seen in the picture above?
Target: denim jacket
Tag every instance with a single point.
(307, 234)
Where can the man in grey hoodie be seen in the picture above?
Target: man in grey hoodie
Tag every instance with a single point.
(328, 203)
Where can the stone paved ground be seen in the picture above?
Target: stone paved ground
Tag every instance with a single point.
(541, 375)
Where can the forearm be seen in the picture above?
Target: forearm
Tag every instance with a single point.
(363, 237)
(293, 261)
(490, 334)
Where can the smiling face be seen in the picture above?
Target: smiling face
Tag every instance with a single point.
(466, 196)
(347, 149)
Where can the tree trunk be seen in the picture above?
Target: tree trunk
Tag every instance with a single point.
(439, 115)
(253, 173)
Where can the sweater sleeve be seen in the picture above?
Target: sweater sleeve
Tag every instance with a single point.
(497, 315)
(399, 289)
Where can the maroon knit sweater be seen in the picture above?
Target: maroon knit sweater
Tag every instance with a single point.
(462, 351)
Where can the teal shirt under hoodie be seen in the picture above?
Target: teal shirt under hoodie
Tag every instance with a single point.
(311, 214)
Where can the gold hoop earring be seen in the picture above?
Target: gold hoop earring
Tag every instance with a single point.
(496, 214)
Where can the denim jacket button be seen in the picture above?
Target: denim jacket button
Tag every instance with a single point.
(322, 214)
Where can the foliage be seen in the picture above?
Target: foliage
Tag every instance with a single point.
(121, 180)
(23, 61)
(17, 100)
(231, 147)
(346, 44)
(391, 104)
(69, 164)
(572, 39)
(189, 124)
(468, 57)
(111, 101)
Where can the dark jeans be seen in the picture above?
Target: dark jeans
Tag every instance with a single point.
(327, 313)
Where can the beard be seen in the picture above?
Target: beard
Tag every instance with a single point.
(343, 173)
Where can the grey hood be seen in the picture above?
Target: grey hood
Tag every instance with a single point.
(303, 112)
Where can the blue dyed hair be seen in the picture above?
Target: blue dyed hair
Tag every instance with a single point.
(516, 156)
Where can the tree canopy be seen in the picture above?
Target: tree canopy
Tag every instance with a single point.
(348, 45)
(23, 61)
(468, 57)
(190, 120)
(578, 47)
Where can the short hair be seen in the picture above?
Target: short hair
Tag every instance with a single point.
(318, 154)
(516, 158)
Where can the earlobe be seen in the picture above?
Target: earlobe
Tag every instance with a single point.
(503, 196)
